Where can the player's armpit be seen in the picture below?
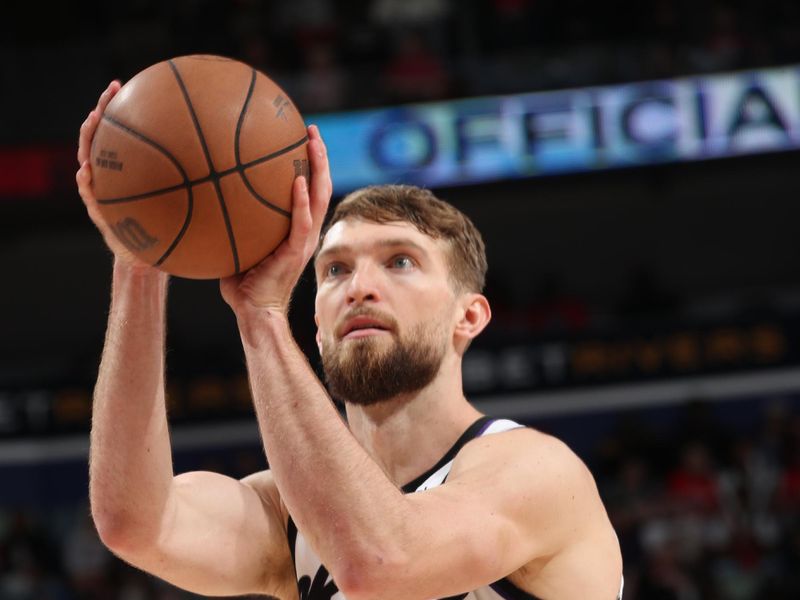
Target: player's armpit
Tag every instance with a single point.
(220, 537)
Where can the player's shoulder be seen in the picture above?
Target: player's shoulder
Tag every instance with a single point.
(527, 455)
(520, 443)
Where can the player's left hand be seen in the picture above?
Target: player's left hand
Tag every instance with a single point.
(269, 284)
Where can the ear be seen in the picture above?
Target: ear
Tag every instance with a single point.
(317, 335)
(475, 315)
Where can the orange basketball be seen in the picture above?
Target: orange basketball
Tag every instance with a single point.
(193, 165)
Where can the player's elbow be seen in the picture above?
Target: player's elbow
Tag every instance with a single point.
(365, 583)
(352, 581)
(412, 575)
(369, 575)
(118, 530)
(112, 530)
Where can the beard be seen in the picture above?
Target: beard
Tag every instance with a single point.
(361, 371)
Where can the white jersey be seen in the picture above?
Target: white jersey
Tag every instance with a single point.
(315, 583)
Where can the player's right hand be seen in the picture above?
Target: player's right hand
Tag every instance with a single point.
(84, 180)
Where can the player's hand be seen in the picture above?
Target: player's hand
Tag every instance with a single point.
(84, 180)
(269, 284)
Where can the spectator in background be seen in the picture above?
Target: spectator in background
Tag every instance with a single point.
(511, 24)
(693, 524)
(182, 22)
(693, 484)
(553, 310)
(787, 498)
(747, 488)
(633, 498)
(414, 71)
(295, 26)
(427, 18)
(29, 568)
(407, 14)
(740, 572)
(784, 583)
(698, 423)
(247, 27)
(323, 85)
(665, 577)
(308, 20)
(725, 43)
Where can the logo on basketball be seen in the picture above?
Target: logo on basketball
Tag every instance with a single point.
(281, 103)
(133, 235)
(301, 168)
(107, 159)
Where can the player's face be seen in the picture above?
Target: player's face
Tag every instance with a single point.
(385, 309)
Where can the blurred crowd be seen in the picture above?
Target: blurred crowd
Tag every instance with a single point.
(333, 54)
(711, 513)
(705, 509)
(550, 307)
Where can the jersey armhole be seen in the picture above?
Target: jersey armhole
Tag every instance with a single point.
(291, 537)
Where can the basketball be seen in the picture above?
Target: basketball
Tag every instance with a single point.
(193, 165)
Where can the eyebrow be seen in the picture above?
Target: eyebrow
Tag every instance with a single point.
(387, 243)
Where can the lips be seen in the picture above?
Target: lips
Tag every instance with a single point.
(367, 324)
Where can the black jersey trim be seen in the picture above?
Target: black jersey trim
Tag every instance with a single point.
(509, 591)
(472, 432)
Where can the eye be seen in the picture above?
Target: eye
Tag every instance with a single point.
(333, 270)
(402, 262)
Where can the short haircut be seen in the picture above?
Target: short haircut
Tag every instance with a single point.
(435, 218)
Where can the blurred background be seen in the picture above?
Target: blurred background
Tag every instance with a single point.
(632, 168)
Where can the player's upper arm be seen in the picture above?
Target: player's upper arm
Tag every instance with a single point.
(220, 536)
(510, 498)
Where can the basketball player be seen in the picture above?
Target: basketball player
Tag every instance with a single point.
(417, 496)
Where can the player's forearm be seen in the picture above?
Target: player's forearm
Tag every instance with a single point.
(130, 458)
(336, 493)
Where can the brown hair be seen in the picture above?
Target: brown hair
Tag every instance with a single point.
(431, 216)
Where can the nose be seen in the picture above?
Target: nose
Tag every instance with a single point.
(363, 285)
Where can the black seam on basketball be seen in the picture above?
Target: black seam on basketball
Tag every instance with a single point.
(147, 195)
(213, 174)
(226, 217)
(196, 122)
(206, 179)
(263, 200)
(264, 159)
(276, 154)
(186, 185)
(152, 143)
(182, 232)
(240, 167)
(236, 152)
(153, 193)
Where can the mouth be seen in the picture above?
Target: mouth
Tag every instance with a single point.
(359, 327)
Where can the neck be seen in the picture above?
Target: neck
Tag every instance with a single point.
(408, 434)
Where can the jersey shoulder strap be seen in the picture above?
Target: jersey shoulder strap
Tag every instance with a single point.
(437, 474)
